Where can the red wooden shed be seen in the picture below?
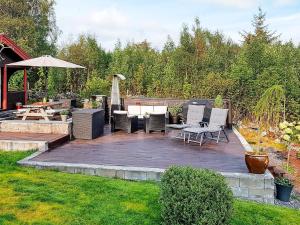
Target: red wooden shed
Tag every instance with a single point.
(9, 53)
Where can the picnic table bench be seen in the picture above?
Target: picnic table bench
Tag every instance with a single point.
(40, 109)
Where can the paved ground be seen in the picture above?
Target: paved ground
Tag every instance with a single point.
(154, 150)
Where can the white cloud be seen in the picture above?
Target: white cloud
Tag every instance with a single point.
(109, 17)
(284, 2)
(245, 4)
(283, 19)
(242, 4)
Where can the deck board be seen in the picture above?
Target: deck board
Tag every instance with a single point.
(155, 150)
(30, 136)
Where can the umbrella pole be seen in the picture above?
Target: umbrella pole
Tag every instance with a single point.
(46, 81)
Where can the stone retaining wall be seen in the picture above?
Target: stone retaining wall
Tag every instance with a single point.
(249, 186)
(36, 126)
(258, 187)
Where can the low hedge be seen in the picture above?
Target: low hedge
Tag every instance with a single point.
(195, 196)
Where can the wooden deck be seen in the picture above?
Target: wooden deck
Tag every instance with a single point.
(30, 137)
(155, 150)
(53, 140)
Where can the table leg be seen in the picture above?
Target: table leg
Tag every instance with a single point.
(44, 114)
(27, 112)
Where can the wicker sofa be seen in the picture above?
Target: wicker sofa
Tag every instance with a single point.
(142, 110)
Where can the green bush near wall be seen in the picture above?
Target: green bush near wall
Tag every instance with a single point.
(195, 196)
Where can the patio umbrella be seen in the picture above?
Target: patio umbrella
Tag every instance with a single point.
(115, 91)
(45, 62)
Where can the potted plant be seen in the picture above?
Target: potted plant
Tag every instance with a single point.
(95, 104)
(219, 103)
(175, 111)
(64, 115)
(284, 187)
(257, 161)
(18, 105)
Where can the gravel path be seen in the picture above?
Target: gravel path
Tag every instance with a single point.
(293, 203)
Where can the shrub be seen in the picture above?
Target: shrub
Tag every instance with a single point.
(95, 86)
(195, 196)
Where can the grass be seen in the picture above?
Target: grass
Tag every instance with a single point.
(30, 196)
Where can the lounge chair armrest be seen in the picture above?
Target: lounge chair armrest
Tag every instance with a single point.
(203, 124)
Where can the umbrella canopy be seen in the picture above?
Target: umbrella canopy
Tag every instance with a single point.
(46, 61)
(115, 91)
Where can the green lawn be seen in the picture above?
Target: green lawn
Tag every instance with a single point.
(29, 196)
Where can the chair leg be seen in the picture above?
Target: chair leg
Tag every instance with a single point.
(201, 139)
(218, 136)
(225, 135)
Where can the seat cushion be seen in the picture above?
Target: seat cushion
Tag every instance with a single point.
(120, 112)
(134, 110)
(145, 109)
(160, 109)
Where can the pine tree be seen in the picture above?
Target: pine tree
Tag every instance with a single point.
(261, 30)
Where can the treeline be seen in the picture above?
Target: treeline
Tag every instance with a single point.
(203, 64)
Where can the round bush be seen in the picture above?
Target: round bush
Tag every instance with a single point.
(195, 196)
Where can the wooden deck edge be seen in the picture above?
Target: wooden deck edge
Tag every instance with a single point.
(243, 141)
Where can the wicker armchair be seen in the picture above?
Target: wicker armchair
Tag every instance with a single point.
(121, 121)
(155, 122)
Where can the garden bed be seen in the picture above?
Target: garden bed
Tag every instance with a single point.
(277, 154)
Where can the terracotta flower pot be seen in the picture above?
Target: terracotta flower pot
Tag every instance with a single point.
(256, 163)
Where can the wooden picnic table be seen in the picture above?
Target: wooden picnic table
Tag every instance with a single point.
(38, 109)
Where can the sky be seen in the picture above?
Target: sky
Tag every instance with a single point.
(154, 20)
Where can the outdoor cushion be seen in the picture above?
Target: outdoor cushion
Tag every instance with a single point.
(54, 111)
(21, 110)
(160, 109)
(145, 109)
(134, 110)
(121, 112)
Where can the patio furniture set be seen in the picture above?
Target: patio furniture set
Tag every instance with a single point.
(195, 130)
(150, 118)
(156, 118)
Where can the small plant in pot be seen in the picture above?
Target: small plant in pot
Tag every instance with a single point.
(257, 161)
(64, 115)
(219, 103)
(95, 104)
(18, 105)
(175, 111)
(284, 188)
